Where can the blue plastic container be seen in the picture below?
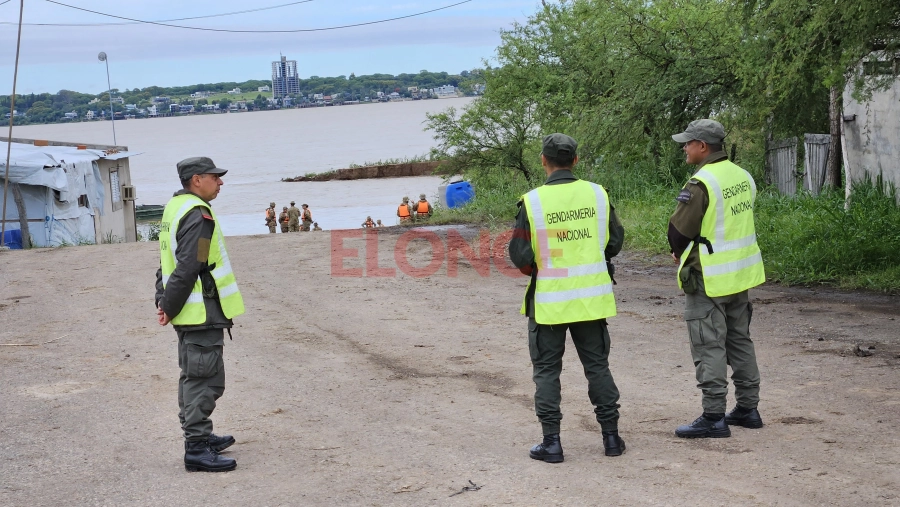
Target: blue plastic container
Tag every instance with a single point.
(13, 239)
(459, 193)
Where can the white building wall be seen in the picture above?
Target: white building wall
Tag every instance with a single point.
(872, 136)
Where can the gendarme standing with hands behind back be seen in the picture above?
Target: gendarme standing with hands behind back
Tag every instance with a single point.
(197, 292)
(566, 231)
(713, 237)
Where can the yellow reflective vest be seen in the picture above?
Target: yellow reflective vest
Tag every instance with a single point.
(194, 310)
(569, 232)
(734, 264)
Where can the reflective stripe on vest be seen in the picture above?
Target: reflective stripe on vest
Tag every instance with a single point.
(403, 211)
(194, 310)
(735, 263)
(572, 281)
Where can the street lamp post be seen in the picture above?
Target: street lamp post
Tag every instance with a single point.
(112, 118)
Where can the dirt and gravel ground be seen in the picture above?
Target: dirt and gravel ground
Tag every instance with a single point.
(399, 390)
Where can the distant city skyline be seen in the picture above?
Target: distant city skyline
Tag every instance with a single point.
(141, 55)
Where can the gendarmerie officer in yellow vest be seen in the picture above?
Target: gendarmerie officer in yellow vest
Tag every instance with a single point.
(713, 238)
(566, 231)
(197, 292)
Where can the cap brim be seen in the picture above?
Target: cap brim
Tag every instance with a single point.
(218, 171)
(682, 137)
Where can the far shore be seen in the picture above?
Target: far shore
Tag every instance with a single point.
(429, 168)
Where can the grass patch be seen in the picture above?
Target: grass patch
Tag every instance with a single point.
(809, 239)
(393, 161)
(248, 96)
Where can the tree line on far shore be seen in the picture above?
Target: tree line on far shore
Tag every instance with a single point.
(51, 107)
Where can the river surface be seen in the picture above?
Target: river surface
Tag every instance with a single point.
(259, 148)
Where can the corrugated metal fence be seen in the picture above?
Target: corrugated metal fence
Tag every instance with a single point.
(781, 163)
(815, 161)
(782, 169)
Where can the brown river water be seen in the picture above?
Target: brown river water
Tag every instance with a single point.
(260, 148)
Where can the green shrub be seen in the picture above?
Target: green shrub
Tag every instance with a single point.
(808, 239)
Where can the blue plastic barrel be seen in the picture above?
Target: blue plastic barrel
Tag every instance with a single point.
(13, 239)
(459, 193)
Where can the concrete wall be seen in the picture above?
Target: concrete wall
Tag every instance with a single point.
(872, 137)
(118, 216)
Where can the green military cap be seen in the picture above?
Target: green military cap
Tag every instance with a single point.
(708, 131)
(421, 196)
(198, 165)
(406, 199)
(556, 145)
(292, 203)
(284, 208)
(272, 204)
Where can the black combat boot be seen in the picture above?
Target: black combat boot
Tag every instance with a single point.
(613, 443)
(550, 450)
(218, 443)
(199, 457)
(746, 417)
(705, 427)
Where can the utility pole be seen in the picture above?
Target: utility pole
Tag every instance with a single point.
(112, 117)
(17, 194)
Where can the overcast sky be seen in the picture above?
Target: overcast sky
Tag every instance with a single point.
(56, 57)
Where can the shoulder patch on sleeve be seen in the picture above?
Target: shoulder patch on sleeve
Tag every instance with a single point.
(206, 216)
(684, 196)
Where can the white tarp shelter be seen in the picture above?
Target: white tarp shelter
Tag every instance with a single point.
(74, 194)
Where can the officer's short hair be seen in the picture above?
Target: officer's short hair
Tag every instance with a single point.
(561, 161)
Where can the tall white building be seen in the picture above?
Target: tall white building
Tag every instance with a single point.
(285, 79)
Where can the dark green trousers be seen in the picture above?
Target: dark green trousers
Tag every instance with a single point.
(547, 344)
(719, 329)
(202, 380)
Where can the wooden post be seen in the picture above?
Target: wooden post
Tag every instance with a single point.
(835, 119)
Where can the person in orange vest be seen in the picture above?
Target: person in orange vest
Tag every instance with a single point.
(404, 211)
(306, 217)
(369, 222)
(423, 208)
(284, 219)
(271, 222)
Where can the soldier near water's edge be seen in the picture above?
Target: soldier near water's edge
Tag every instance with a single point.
(284, 219)
(294, 216)
(271, 221)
